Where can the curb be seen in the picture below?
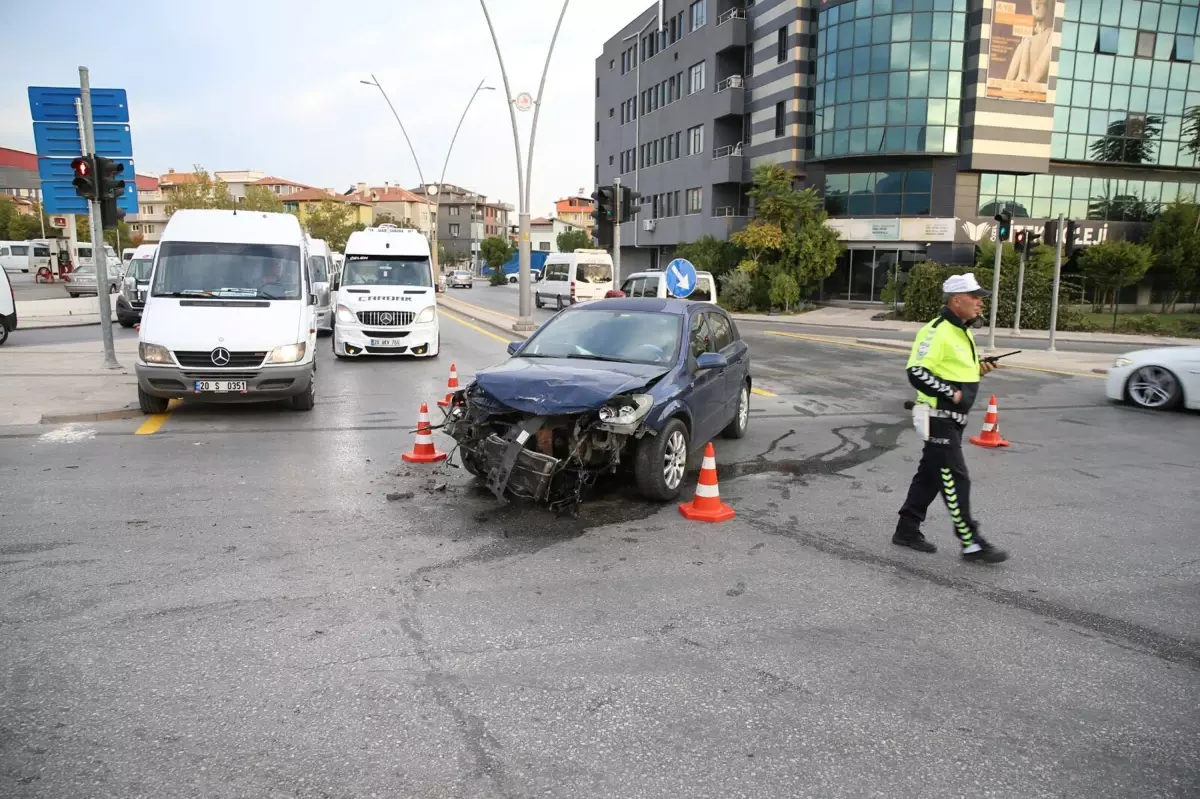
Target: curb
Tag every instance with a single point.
(878, 342)
(474, 315)
(34, 326)
(128, 412)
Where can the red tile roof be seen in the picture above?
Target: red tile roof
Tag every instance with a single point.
(145, 183)
(18, 159)
(172, 178)
(389, 194)
(317, 195)
(272, 181)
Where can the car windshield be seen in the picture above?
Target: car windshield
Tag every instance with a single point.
(319, 268)
(608, 335)
(378, 270)
(227, 269)
(140, 268)
(593, 273)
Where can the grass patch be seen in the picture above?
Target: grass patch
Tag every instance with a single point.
(1186, 325)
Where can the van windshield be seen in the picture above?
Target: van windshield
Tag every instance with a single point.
(593, 273)
(378, 270)
(226, 269)
(140, 268)
(319, 269)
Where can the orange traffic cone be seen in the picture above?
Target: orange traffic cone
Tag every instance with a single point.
(452, 384)
(423, 450)
(706, 505)
(990, 435)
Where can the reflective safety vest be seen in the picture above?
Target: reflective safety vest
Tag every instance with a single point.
(946, 351)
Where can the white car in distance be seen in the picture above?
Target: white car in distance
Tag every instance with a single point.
(1157, 379)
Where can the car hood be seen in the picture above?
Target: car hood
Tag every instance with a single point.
(554, 386)
(1163, 354)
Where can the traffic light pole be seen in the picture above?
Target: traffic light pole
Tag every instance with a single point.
(617, 211)
(995, 292)
(1059, 234)
(99, 259)
(1016, 329)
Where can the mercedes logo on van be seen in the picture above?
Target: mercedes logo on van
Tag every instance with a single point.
(385, 318)
(220, 357)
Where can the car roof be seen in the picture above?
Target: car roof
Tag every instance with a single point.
(145, 251)
(242, 227)
(659, 273)
(668, 305)
(386, 241)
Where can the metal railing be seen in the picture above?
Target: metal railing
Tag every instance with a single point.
(732, 82)
(733, 13)
(727, 150)
(730, 210)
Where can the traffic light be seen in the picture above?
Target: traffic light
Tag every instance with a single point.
(1003, 225)
(110, 188)
(603, 214)
(84, 168)
(1032, 239)
(629, 203)
(1019, 239)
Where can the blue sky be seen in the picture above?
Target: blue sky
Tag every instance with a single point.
(274, 86)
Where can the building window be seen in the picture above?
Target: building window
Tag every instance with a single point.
(695, 140)
(611, 111)
(1106, 42)
(611, 64)
(1145, 44)
(1185, 49)
(781, 45)
(597, 87)
(610, 160)
(452, 210)
(699, 15)
(597, 131)
(1100, 199)
(694, 201)
(696, 78)
(780, 115)
(544, 246)
(454, 230)
(899, 193)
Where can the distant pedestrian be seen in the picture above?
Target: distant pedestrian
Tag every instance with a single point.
(945, 369)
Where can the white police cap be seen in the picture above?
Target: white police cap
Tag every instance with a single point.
(964, 284)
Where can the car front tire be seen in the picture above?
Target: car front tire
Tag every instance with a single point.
(537, 299)
(1154, 388)
(306, 401)
(741, 415)
(3, 332)
(661, 462)
(151, 404)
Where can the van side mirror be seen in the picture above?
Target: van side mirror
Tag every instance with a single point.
(513, 346)
(312, 299)
(333, 284)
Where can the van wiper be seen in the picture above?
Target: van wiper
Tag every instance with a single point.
(185, 293)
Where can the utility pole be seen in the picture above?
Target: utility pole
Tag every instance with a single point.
(1003, 222)
(1060, 234)
(1024, 250)
(617, 212)
(83, 110)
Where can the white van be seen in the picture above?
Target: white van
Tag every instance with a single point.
(569, 277)
(654, 284)
(136, 284)
(229, 316)
(81, 255)
(24, 256)
(127, 255)
(8, 307)
(387, 303)
(320, 264)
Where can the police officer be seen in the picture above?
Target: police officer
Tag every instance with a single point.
(944, 367)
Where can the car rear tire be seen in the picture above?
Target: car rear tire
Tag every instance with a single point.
(661, 462)
(3, 333)
(537, 299)
(151, 404)
(741, 415)
(1154, 388)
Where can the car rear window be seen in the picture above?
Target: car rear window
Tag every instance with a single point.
(593, 273)
(703, 290)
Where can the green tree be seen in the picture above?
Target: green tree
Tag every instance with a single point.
(1041, 258)
(785, 291)
(202, 191)
(1176, 244)
(710, 254)
(332, 221)
(572, 240)
(776, 201)
(495, 252)
(260, 198)
(1114, 264)
(737, 291)
(758, 238)
(1129, 140)
(1191, 130)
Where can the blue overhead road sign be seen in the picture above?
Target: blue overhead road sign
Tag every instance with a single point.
(681, 278)
(56, 135)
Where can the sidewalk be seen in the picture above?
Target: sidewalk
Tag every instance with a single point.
(66, 382)
(500, 322)
(1087, 364)
(861, 318)
(36, 314)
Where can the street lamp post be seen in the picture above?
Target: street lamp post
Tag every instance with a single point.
(525, 315)
(437, 207)
(420, 174)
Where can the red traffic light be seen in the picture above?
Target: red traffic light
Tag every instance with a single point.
(1020, 237)
(82, 167)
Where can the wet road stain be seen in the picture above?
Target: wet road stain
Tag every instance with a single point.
(876, 440)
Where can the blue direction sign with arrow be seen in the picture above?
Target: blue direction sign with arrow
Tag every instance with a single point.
(56, 135)
(681, 278)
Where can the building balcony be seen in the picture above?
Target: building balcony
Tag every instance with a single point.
(728, 165)
(730, 30)
(730, 97)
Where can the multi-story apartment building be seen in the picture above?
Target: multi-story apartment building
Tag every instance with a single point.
(576, 211)
(916, 119)
(402, 204)
(465, 218)
(151, 218)
(238, 179)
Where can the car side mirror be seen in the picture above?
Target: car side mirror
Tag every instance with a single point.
(513, 346)
(711, 360)
(312, 299)
(333, 284)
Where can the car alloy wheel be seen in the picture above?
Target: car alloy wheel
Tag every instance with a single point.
(744, 408)
(1153, 387)
(675, 459)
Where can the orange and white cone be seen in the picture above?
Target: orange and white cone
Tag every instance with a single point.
(452, 385)
(706, 505)
(423, 450)
(990, 435)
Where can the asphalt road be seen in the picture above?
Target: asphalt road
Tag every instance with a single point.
(231, 606)
(25, 287)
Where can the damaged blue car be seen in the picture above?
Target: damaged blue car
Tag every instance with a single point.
(628, 385)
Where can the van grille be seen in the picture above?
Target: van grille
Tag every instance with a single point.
(204, 360)
(386, 318)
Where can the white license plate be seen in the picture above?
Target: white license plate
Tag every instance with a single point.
(387, 342)
(220, 386)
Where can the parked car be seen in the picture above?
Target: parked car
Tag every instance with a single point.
(460, 278)
(572, 277)
(83, 281)
(629, 385)
(132, 298)
(1158, 379)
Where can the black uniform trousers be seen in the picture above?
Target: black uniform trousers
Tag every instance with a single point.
(942, 470)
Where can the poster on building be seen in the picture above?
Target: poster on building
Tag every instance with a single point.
(1020, 49)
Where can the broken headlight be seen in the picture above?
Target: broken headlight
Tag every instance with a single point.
(624, 412)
